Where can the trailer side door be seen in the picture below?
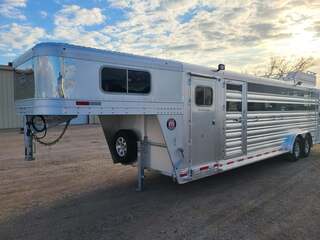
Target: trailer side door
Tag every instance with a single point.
(203, 120)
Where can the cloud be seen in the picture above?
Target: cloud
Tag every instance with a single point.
(268, 9)
(73, 15)
(80, 36)
(316, 28)
(12, 9)
(120, 3)
(19, 37)
(71, 24)
(241, 34)
(43, 14)
(265, 31)
(186, 47)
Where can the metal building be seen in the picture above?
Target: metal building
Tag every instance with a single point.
(8, 115)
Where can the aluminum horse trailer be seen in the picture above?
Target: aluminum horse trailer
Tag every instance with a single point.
(183, 120)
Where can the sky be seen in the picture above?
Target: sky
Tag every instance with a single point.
(241, 34)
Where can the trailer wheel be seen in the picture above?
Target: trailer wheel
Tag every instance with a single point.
(296, 150)
(124, 146)
(307, 144)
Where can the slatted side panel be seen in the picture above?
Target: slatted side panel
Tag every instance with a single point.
(8, 116)
(233, 141)
(268, 128)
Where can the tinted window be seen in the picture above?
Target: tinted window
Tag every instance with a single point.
(138, 81)
(234, 87)
(114, 80)
(125, 81)
(208, 94)
(203, 96)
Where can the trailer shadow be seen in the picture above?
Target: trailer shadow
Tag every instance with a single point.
(165, 210)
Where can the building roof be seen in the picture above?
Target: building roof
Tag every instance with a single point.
(6, 67)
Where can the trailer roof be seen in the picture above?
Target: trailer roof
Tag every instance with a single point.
(241, 77)
(98, 55)
(263, 80)
(94, 54)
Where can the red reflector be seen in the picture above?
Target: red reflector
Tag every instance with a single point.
(216, 165)
(82, 103)
(183, 174)
(240, 160)
(228, 163)
(204, 168)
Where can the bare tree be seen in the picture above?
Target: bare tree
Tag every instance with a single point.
(279, 67)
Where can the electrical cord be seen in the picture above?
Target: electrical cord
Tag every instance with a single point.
(45, 130)
(38, 130)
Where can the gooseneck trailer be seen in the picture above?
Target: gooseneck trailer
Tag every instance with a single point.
(183, 120)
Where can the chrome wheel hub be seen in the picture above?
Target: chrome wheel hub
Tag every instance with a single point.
(121, 147)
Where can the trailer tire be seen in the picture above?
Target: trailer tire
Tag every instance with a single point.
(296, 150)
(307, 144)
(124, 146)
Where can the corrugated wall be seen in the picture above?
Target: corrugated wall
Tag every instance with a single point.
(8, 116)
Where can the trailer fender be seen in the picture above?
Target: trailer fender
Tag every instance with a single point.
(289, 140)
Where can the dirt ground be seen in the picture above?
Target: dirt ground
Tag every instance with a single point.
(73, 191)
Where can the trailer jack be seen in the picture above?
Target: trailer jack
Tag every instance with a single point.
(28, 140)
(141, 155)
